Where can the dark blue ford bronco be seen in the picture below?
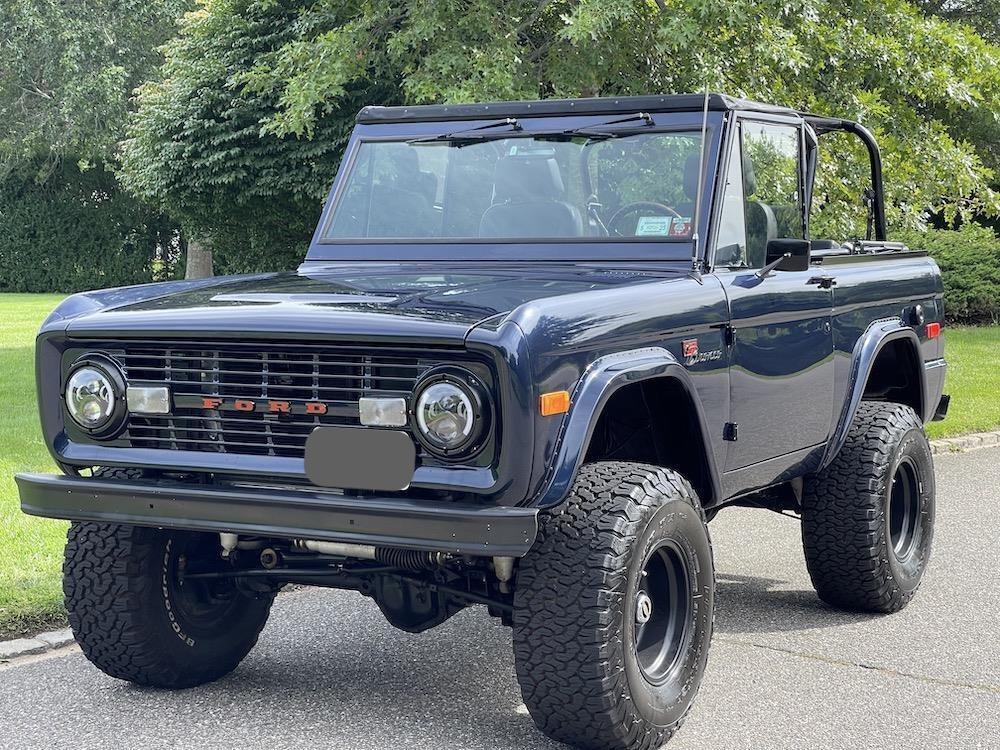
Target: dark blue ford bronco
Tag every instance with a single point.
(534, 347)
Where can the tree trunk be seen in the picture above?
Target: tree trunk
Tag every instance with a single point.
(199, 261)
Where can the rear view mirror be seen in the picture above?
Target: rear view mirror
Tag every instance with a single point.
(788, 254)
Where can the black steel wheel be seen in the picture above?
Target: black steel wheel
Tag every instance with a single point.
(905, 520)
(613, 609)
(663, 625)
(868, 518)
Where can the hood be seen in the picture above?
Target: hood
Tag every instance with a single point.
(433, 303)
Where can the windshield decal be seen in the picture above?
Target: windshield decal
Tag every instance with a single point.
(681, 227)
(654, 226)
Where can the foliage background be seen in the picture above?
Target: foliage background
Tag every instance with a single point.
(970, 265)
(80, 230)
(242, 107)
(67, 73)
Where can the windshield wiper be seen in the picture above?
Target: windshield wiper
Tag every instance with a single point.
(470, 134)
(593, 132)
(597, 132)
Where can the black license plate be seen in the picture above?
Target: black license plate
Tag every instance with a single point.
(358, 458)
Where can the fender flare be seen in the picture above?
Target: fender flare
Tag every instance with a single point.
(602, 379)
(866, 351)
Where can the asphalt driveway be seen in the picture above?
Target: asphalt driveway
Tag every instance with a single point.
(785, 670)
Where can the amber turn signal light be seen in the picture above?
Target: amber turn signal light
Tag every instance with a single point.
(556, 402)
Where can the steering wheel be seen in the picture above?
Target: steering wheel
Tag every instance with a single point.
(630, 208)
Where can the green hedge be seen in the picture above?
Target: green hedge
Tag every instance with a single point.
(79, 230)
(255, 251)
(970, 263)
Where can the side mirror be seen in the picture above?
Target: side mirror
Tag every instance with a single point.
(788, 254)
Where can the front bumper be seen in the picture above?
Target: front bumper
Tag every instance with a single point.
(292, 513)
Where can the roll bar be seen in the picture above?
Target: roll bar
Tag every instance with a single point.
(832, 124)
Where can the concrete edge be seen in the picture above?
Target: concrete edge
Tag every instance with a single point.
(38, 644)
(57, 639)
(964, 443)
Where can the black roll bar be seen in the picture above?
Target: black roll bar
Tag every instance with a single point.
(830, 124)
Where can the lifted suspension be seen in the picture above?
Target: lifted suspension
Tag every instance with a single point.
(415, 589)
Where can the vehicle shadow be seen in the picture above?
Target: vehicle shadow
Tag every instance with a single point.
(335, 671)
(358, 680)
(752, 604)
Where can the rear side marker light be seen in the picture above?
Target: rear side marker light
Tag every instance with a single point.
(555, 402)
(933, 330)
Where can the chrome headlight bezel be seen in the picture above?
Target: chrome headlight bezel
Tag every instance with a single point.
(474, 395)
(113, 418)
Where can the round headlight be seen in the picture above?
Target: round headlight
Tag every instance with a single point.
(449, 414)
(91, 397)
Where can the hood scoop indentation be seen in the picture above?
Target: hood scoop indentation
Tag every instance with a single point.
(305, 299)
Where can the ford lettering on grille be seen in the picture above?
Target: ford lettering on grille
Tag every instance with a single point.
(268, 407)
(261, 398)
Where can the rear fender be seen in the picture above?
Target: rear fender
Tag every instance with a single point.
(602, 379)
(866, 351)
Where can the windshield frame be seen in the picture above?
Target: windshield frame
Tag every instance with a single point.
(323, 248)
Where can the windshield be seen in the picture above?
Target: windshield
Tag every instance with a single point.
(632, 185)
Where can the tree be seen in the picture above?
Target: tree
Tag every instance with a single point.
(257, 96)
(67, 71)
(197, 147)
(982, 15)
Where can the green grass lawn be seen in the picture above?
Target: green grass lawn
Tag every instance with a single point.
(31, 548)
(973, 380)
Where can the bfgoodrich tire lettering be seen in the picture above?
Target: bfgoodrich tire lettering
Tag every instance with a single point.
(868, 518)
(575, 609)
(132, 620)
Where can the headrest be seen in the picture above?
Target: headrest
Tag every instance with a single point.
(406, 161)
(406, 169)
(526, 177)
(692, 169)
(749, 178)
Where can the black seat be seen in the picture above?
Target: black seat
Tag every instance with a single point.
(762, 225)
(404, 205)
(528, 201)
(692, 171)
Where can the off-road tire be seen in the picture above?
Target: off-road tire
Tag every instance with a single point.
(847, 523)
(122, 617)
(574, 609)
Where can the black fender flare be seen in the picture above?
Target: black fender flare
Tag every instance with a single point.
(866, 351)
(600, 381)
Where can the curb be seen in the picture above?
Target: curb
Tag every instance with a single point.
(965, 442)
(38, 645)
(54, 639)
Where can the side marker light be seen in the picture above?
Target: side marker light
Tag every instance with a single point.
(555, 402)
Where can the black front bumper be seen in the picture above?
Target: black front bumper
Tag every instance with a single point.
(303, 514)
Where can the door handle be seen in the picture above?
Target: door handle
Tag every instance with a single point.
(824, 282)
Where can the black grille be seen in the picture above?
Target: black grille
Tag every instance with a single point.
(294, 375)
